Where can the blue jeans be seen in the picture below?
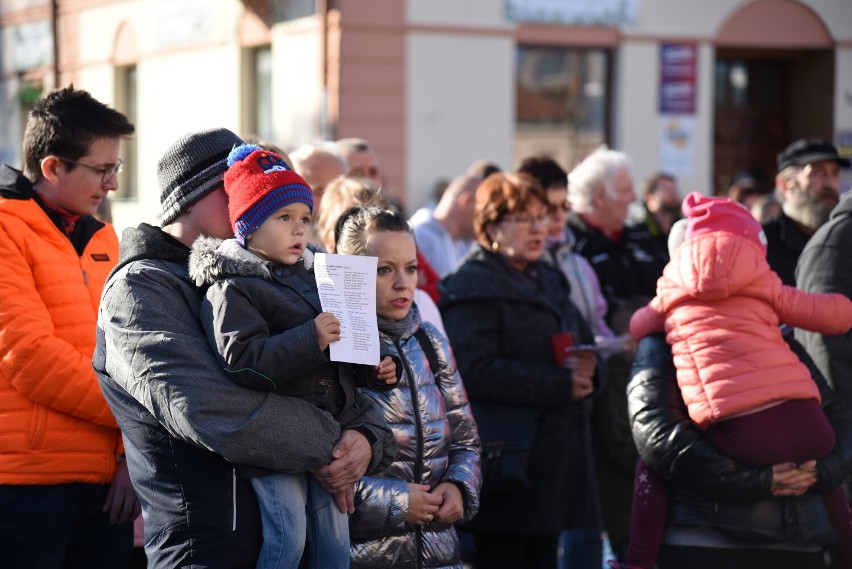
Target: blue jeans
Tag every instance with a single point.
(295, 510)
(581, 549)
(60, 526)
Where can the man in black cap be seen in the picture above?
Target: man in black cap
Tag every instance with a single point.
(808, 187)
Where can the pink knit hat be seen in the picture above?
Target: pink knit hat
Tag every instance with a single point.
(710, 214)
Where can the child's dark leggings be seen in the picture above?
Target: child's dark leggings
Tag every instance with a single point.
(794, 431)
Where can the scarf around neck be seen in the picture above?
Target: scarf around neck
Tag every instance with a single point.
(397, 329)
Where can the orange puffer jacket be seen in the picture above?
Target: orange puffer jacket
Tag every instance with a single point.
(55, 426)
(720, 305)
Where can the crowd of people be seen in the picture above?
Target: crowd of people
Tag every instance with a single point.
(563, 365)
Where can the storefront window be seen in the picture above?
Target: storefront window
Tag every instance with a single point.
(562, 102)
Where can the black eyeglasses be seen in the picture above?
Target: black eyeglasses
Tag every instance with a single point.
(106, 173)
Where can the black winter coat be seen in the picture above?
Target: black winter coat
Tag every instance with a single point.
(784, 244)
(259, 316)
(626, 268)
(500, 323)
(708, 489)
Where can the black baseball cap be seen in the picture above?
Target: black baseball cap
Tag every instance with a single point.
(809, 150)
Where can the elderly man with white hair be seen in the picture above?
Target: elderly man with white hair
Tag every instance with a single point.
(628, 265)
(600, 190)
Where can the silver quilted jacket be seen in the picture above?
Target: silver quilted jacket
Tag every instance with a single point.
(437, 441)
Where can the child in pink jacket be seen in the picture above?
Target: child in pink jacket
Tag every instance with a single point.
(720, 306)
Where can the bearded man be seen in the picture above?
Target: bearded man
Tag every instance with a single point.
(808, 187)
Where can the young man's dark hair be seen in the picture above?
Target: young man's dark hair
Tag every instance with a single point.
(64, 124)
(546, 170)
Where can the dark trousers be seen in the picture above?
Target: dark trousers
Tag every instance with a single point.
(60, 527)
(504, 550)
(714, 558)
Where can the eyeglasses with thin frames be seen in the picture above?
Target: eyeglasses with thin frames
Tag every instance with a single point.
(106, 173)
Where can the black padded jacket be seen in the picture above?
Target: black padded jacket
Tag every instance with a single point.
(709, 489)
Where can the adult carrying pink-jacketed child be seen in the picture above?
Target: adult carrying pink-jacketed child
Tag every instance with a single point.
(720, 306)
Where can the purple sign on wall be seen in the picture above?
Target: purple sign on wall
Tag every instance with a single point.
(678, 72)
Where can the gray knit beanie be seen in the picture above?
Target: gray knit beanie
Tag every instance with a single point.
(191, 168)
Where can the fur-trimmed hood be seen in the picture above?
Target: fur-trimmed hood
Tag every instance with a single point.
(213, 259)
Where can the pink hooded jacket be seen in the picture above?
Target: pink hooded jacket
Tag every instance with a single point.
(720, 305)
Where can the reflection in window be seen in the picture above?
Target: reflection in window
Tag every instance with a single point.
(741, 83)
(562, 102)
(738, 76)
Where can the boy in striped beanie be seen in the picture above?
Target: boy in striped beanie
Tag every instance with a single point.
(259, 183)
(263, 315)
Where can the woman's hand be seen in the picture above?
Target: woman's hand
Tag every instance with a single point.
(385, 372)
(582, 365)
(452, 504)
(422, 506)
(791, 480)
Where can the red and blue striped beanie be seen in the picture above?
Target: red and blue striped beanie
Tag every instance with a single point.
(259, 183)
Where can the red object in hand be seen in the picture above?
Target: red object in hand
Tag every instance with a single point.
(562, 347)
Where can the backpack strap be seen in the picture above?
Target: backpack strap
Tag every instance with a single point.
(428, 348)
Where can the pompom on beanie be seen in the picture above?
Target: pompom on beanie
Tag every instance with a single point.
(259, 183)
(711, 214)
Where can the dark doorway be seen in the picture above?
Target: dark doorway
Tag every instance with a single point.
(764, 100)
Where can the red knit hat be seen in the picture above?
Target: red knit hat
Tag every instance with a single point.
(709, 214)
(258, 184)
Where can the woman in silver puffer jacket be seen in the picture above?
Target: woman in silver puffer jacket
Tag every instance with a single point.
(405, 517)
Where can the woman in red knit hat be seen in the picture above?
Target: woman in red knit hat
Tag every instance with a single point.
(720, 306)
